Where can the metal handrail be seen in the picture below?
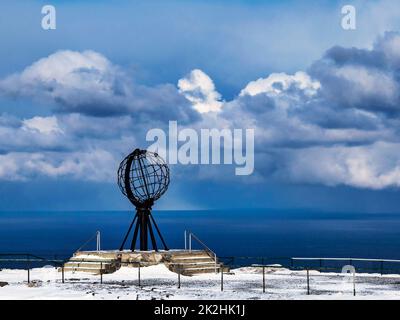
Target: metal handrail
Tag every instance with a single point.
(97, 235)
(32, 260)
(211, 253)
(21, 254)
(347, 259)
(98, 240)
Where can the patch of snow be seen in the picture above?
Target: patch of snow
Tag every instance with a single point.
(91, 257)
(157, 282)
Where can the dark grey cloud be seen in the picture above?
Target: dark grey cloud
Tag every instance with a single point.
(340, 56)
(88, 83)
(365, 79)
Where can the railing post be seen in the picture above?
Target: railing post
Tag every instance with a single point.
(29, 271)
(222, 280)
(185, 236)
(179, 276)
(190, 242)
(101, 272)
(139, 274)
(354, 283)
(62, 273)
(308, 282)
(263, 279)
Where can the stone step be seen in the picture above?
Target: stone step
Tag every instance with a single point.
(88, 270)
(194, 268)
(91, 263)
(194, 271)
(95, 269)
(191, 264)
(199, 266)
(179, 269)
(187, 253)
(94, 265)
(91, 259)
(192, 260)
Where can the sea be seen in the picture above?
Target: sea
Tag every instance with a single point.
(273, 235)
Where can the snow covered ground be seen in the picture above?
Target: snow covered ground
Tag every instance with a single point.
(159, 283)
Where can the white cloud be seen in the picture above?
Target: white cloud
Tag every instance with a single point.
(390, 45)
(277, 83)
(71, 69)
(375, 166)
(64, 72)
(199, 89)
(9, 168)
(88, 83)
(76, 81)
(94, 165)
(369, 83)
(37, 133)
(45, 125)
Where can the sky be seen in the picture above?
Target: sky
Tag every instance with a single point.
(323, 101)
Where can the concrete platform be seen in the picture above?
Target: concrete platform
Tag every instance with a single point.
(179, 261)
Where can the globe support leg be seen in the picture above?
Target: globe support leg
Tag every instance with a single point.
(159, 233)
(153, 239)
(127, 234)
(143, 218)
(135, 233)
(144, 223)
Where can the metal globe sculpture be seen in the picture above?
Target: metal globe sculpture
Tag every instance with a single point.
(143, 177)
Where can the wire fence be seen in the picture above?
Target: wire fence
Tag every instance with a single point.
(382, 266)
(308, 274)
